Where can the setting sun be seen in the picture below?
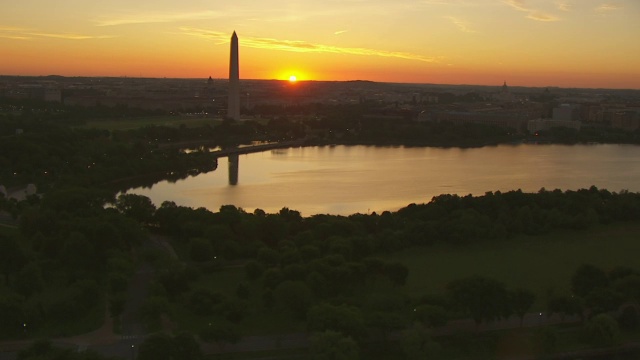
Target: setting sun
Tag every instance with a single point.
(293, 78)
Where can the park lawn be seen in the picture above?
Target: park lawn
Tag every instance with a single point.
(542, 264)
(140, 122)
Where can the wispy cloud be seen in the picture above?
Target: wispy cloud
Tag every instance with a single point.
(538, 16)
(156, 18)
(564, 6)
(14, 33)
(14, 37)
(4, 28)
(340, 32)
(608, 7)
(517, 4)
(70, 36)
(447, 2)
(302, 46)
(461, 24)
(18, 33)
(532, 13)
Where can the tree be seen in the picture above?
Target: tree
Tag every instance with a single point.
(12, 257)
(253, 270)
(11, 318)
(397, 273)
(156, 347)
(521, 301)
(603, 330)
(586, 278)
(484, 299)
(341, 318)
(200, 250)
(29, 280)
(601, 300)
(565, 306)
(186, 347)
(546, 340)
(152, 310)
(294, 296)
(431, 315)
(44, 350)
(629, 287)
(332, 345)
(220, 333)
(418, 344)
(629, 318)
(137, 207)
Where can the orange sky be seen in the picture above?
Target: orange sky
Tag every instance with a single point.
(567, 43)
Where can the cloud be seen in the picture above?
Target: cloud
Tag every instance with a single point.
(608, 7)
(446, 2)
(538, 16)
(70, 36)
(14, 33)
(13, 28)
(533, 14)
(301, 46)
(17, 33)
(517, 4)
(340, 32)
(462, 25)
(563, 6)
(14, 37)
(157, 18)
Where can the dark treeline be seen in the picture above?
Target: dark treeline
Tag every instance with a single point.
(52, 154)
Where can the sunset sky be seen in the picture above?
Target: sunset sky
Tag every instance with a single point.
(567, 43)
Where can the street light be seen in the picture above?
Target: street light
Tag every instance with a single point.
(133, 352)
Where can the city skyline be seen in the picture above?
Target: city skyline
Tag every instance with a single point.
(586, 43)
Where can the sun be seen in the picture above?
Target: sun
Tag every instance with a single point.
(293, 78)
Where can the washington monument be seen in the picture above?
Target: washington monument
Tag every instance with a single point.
(234, 81)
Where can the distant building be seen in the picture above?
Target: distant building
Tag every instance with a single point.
(536, 125)
(505, 94)
(565, 112)
(628, 119)
(512, 119)
(53, 95)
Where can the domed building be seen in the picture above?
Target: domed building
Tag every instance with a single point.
(505, 94)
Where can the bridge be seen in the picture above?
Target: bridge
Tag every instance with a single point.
(256, 148)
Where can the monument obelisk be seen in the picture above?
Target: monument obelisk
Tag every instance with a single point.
(233, 112)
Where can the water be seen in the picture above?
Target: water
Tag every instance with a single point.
(360, 179)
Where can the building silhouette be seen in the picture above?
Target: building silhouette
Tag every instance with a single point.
(233, 112)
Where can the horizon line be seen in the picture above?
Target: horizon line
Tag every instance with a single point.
(312, 80)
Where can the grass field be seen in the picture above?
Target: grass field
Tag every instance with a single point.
(542, 264)
(135, 123)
